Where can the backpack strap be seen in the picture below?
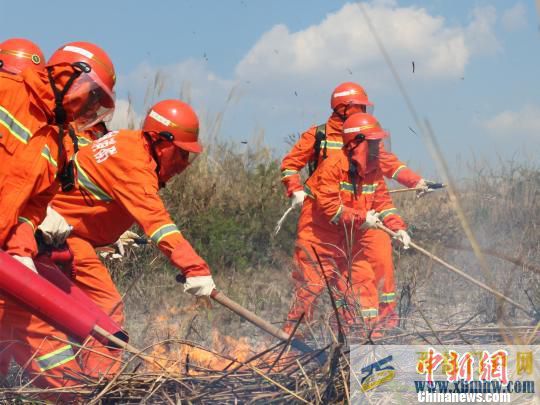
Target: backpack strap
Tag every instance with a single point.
(320, 136)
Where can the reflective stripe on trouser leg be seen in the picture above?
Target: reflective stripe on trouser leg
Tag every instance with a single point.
(388, 298)
(55, 358)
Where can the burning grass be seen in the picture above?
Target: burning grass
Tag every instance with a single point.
(194, 374)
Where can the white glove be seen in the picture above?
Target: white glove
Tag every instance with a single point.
(27, 261)
(125, 239)
(298, 198)
(404, 237)
(54, 228)
(424, 188)
(199, 286)
(372, 220)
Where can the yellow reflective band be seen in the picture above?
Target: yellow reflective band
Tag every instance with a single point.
(56, 358)
(83, 141)
(369, 188)
(85, 182)
(337, 216)
(400, 168)
(23, 219)
(164, 231)
(370, 312)
(17, 129)
(288, 172)
(388, 212)
(346, 186)
(366, 188)
(388, 297)
(46, 153)
(332, 144)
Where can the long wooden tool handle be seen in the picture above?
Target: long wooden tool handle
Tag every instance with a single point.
(120, 343)
(248, 315)
(461, 273)
(434, 186)
(404, 190)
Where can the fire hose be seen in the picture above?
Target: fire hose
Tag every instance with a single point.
(65, 311)
(534, 314)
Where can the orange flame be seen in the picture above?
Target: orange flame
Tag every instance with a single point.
(180, 357)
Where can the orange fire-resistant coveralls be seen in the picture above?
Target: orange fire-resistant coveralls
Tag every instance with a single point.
(331, 222)
(29, 156)
(28, 146)
(377, 247)
(118, 187)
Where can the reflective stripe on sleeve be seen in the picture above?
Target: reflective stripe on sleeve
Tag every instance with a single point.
(24, 219)
(388, 212)
(400, 168)
(164, 231)
(17, 129)
(56, 358)
(288, 172)
(85, 182)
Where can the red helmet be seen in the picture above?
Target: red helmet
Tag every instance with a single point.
(174, 128)
(17, 54)
(362, 124)
(91, 97)
(179, 120)
(347, 94)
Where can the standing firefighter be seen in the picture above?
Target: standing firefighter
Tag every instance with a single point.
(321, 142)
(346, 198)
(119, 177)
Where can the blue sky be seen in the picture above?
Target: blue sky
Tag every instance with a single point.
(476, 63)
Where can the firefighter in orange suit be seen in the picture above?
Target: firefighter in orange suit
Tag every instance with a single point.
(38, 108)
(76, 88)
(119, 176)
(346, 198)
(323, 141)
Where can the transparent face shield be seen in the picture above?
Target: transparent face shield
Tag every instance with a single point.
(88, 101)
(172, 160)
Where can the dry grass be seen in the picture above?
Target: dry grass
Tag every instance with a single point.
(227, 204)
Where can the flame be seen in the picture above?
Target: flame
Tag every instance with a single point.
(183, 358)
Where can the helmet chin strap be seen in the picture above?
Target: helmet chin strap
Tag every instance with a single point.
(67, 175)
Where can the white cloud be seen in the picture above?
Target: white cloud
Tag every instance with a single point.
(190, 80)
(517, 123)
(343, 41)
(479, 35)
(514, 18)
